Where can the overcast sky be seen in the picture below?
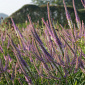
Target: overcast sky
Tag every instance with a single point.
(10, 6)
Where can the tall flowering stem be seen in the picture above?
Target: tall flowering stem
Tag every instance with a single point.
(52, 29)
(77, 17)
(83, 2)
(68, 16)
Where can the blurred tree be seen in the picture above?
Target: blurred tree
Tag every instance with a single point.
(42, 2)
(58, 2)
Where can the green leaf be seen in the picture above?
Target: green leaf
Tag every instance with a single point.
(75, 83)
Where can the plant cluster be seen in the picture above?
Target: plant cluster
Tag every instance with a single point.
(51, 55)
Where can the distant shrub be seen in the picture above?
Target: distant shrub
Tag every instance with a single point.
(57, 14)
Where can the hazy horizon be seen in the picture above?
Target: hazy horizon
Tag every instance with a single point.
(10, 6)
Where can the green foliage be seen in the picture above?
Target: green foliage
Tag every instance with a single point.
(58, 2)
(36, 13)
(42, 2)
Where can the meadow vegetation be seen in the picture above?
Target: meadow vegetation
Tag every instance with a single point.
(48, 54)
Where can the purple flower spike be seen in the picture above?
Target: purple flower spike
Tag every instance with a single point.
(8, 43)
(77, 17)
(10, 59)
(83, 2)
(5, 57)
(6, 63)
(1, 65)
(16, 29)
(68, 16)
(2, 39)
(1, 49)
